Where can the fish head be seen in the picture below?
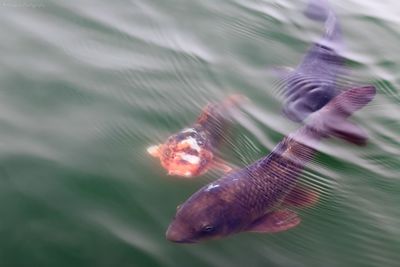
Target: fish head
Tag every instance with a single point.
(184, 154)
(211, 213)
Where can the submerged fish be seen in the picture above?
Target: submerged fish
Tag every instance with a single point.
(190, 152)
(314, 82)
(252, 199)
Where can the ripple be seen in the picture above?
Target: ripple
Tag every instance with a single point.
(87, 86)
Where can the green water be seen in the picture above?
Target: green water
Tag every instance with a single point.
(87, 86)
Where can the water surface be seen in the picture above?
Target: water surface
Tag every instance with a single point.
(87, 86)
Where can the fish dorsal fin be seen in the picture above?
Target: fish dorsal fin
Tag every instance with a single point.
(276, 221)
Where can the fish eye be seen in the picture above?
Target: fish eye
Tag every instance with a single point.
(208, 229)
(178, 207)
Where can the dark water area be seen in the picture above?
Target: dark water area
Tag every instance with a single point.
(87, 86)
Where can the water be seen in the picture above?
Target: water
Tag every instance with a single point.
(87, 86)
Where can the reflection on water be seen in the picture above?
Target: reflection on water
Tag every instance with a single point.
(88, 86)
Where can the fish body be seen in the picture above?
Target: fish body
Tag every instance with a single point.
(250, 199)
(190, 152)
(314, 82)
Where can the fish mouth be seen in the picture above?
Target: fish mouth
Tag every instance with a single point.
(174, 236)
(186, 241)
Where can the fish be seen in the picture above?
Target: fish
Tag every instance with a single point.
(255, 198)
(191, 152)
(314, 82)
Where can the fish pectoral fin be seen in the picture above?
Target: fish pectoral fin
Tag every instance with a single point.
(154, 151)
(276, 221)
(221, 165)
(302, 197)
(348, 131)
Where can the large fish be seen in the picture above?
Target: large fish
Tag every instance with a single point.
(252, 198)
(191, 151)
(314, 82)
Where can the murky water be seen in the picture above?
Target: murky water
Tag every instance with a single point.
(87, 86)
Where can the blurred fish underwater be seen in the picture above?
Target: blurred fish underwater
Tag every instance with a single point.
(88, 86)
(255, 198)
(190, 152)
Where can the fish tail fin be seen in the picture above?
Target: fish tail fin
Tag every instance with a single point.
(319, 10)
(333, 117)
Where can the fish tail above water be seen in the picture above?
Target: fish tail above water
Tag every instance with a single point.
(314, 82)
(319, 10)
